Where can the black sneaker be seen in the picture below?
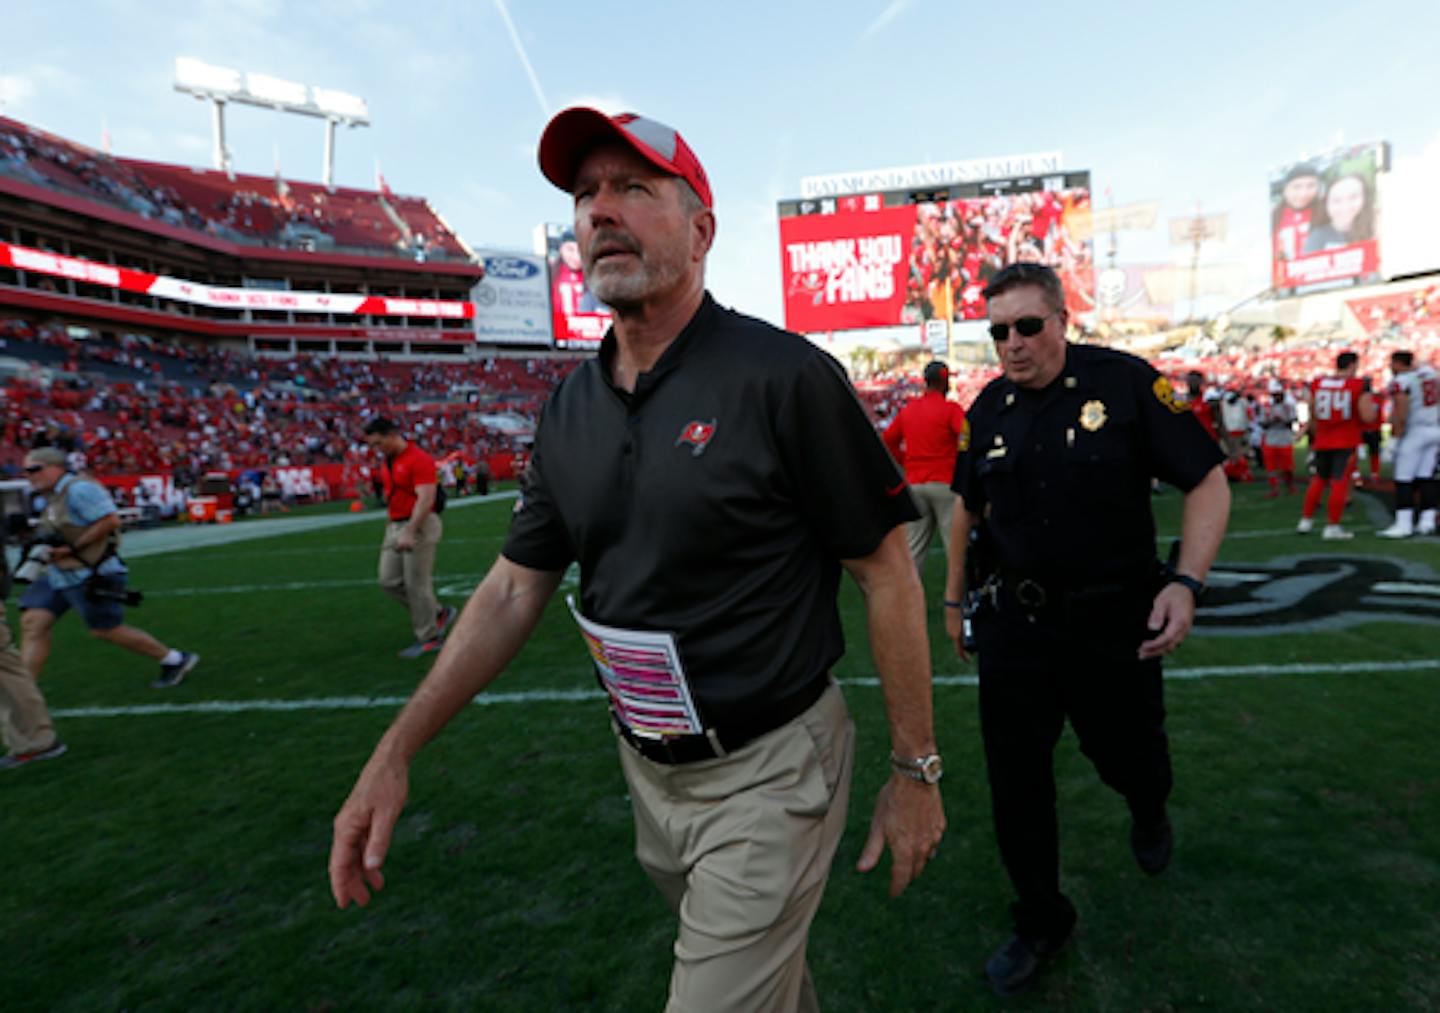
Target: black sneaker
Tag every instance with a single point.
(1153, 842)
(1014, 967)
(174, 675)
(16, 760)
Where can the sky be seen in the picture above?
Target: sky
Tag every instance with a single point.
(1192, 106)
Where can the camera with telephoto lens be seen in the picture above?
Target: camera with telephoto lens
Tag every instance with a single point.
(98, 588)
(36, 558)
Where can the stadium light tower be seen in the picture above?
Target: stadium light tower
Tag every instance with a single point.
(219, 85)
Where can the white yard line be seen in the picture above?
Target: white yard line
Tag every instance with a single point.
(194, 536)
(495, 699)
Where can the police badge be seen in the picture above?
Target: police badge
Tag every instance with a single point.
(1092, 415)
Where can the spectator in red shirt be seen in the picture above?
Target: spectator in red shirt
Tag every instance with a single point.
(407, 555)
(931, 429)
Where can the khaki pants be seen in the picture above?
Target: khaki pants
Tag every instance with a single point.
(408, 576)
(741, 848)
(24, 721)
(936, 503)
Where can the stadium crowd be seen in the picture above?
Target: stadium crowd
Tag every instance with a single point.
(139, 407)
(244, 209)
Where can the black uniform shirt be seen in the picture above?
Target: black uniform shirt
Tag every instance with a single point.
(1061, 476)
(715, 502)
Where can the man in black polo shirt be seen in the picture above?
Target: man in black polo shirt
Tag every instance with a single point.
(1075, 614)
(711, 475)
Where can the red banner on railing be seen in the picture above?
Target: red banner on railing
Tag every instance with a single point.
(23, 258)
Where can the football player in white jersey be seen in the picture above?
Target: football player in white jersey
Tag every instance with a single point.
(1415, 424)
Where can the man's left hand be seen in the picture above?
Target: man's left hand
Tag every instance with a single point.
(1171, 617)
(910, 820)
(405, 541)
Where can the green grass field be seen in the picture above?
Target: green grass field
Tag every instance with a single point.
(176, 860)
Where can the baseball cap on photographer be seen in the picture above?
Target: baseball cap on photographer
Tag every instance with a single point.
(47, 455)
(574, 131)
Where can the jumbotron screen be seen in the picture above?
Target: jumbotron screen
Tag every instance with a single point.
(905, 257)
(1325, 219)
(579, 320)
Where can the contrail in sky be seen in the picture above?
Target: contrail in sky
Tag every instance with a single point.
(886, 16)
(524, 57)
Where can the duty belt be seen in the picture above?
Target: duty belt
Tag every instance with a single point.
(1034, 594)
(721, 741)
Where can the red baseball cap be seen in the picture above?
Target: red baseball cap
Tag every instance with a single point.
(573, 132)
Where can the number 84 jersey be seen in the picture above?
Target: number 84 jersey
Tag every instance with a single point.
(1335, 408)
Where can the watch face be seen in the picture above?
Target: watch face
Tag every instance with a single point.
(932, 768)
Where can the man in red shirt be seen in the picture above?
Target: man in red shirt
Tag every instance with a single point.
(931, 429)
(407, 556)
(1339, 406)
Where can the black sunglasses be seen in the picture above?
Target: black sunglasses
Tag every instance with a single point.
(31, 469)
(1026, 327)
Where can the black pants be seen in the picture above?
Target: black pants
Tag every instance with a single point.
(1076, 661)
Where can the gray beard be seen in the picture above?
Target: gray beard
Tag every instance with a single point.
(621, 291)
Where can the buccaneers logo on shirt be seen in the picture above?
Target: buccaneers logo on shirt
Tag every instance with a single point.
(697, 436)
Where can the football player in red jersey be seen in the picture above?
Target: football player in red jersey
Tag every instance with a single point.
(1339, 405)
(1204, 409)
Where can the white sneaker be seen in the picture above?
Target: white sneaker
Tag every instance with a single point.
(1335, 533)
(1397, 530)
(1305, 526)
(1423, 530)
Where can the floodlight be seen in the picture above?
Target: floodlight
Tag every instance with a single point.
(274, 89)
(222, 85)
(193, 75)
(341, 104)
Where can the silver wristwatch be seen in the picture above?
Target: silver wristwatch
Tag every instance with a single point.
(922, 768)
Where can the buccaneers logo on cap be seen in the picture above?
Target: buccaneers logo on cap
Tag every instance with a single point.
(697, 436)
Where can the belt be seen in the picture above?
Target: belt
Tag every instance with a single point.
(1034, 594)
(718, 742)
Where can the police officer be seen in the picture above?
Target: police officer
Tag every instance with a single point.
(711, 475)
(1075, 613)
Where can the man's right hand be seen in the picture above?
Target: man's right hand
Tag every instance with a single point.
(955, 630)
(362, 830)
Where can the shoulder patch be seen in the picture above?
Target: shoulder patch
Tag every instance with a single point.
(965, 435)
(1165, 394)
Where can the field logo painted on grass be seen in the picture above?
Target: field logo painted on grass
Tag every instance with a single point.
(1296, 593)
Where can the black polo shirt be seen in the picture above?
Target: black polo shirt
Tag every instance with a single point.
(1061, 476)
(714, 503)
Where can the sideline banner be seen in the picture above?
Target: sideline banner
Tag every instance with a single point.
(23, 258)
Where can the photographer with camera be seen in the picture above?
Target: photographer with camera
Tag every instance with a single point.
(74, 563)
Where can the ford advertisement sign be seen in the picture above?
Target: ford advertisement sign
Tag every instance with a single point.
(512, 301)
(511, 268)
